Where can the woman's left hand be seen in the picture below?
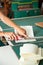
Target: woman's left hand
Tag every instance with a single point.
(22, 32)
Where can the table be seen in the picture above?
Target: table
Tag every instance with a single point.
(38, 31)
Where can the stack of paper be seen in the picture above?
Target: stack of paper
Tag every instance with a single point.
(29, 30)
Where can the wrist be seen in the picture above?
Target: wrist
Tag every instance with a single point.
(1, 15)
(2, 34)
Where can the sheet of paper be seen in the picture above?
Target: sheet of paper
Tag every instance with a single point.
(8, 56)
(29, 30)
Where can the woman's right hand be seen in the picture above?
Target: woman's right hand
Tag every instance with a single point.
(22, 32)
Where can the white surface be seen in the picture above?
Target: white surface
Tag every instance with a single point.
(8, 56)
(29, 30)
(29, 48)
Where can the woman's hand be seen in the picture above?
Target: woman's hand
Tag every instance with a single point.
(10, 36)
(7, 21)
(22, 32)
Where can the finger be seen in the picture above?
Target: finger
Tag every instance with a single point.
(19, 37)
(15, 36)
(12, 38)
(25, 36)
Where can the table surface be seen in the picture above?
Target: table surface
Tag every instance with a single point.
(38, 31)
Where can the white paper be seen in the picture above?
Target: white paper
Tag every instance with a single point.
(8, 56)
(29, 30)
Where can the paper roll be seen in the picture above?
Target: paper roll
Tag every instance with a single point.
(30, 51)
(29, 48)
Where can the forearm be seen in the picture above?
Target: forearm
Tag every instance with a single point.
(7, 21)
